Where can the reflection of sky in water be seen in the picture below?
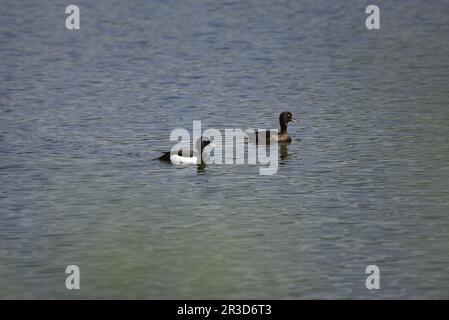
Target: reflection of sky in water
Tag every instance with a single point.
(364, 181)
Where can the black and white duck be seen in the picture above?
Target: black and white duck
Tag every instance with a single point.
(186, 157)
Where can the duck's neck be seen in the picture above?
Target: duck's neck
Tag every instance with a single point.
(283, 126)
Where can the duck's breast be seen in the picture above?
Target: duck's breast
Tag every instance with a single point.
(284, 137)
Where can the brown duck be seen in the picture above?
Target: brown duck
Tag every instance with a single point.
(282, 136)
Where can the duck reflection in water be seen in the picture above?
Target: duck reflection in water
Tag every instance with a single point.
(284, 150)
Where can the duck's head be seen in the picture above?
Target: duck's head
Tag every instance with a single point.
(204, 143)
(286, 117)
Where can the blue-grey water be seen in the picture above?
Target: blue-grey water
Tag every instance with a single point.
(365, 181)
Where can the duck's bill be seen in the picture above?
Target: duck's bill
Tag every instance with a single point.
(294, 120)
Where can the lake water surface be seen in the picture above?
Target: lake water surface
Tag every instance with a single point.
(84, 113)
